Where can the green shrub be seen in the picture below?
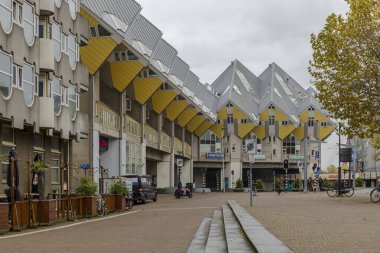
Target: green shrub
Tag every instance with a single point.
(119, 187)
(297, 184)
(359, 182)
(39, 166)
(239, 184)
(260, 184)
(326, 183)
(86, 187)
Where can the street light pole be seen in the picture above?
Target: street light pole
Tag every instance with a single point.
(305, 165)
(223, 183)
(339, 168)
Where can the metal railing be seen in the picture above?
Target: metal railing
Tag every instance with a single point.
(131, 126)
(166, 140)
(106, 117)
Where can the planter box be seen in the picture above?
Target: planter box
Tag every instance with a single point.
(89, 206)
(4, 212)
(20, 215)
(47, 213)
(120, 202)
(111, 202)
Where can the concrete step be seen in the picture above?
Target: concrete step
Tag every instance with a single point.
(237, 241)
(261, 239)
(198, 244)
(216, 242)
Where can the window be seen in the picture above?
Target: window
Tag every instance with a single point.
(72, 45)
(6, 74)
(244, 121)
(271, 120)
(65, 96)
(72, 102)
(54, 144)
(29, 23)
(38, 140)
(271, 107)
(7, 135)
(134, 162)
(128, 104)
(323, 124)
(260, 123)
(73, 6)
(310, 122)
(28, 83)
(147, 113)
(17, 13)
(230, 118)
(274, 139)
(103, 32)
(19, 77)
(36, 86)
(94, 31)
(56, 94)
(6, 18)
(274, 152)
(210, 143)
(15, 76)
(131, 56)
(284, 123)
(54, 169)
(289, 145)
(57, 38)
(65, 44)
(43, 88)
(269, 139)
(4, 163)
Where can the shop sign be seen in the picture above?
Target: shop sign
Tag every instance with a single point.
(215, 155)
(260, 157)
(103, 144)
(296, 157)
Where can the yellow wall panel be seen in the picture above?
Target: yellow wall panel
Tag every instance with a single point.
(145, 87)
(222, 114)
(284, 131)
(318, 116)
(186, 116)
(195, 123)
(238, 114)
(279, 115)
(217, 129)
(175, 108)
(259, 131)
(124, 72)
(96, 52)
(299, 133)
(324, 132)
(203, 128)
(304, 117)
(92, 21)
(161, 99)
(244, 129)
(264, 115)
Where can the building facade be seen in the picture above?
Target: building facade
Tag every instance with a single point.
(93, 82)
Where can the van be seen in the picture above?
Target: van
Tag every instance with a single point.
(142, 188)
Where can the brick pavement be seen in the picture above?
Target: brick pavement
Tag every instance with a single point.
(314, 222)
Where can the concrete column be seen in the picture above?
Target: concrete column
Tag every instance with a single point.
(186, 172)
(164, 172)
(159, 129)
(95, 157)
(143, 141)
(172, 157)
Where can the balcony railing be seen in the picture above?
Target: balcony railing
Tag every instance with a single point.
(166, 140)
(131, 126)
(151, 134)
(106, 117)
(177, 145)
(187, 149)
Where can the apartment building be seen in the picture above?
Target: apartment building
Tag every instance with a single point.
(93, 82)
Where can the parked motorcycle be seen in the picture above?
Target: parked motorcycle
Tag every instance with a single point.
(183, 193)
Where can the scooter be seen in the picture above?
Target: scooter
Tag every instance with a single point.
(183, 193)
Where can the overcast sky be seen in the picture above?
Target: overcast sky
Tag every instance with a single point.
(209, 34)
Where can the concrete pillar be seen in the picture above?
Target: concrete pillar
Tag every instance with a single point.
(143, 141)
(186, 172)
(172, 157)
(164, 172)
(95, 156)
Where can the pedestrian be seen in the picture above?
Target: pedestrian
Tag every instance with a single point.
(254, 190)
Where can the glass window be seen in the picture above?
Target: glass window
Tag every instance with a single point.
(72, 51)
(28, 83)
(28, 14)
(131, 56)
(102, 31)
(5, 74)
(123, 57)
(4, 163)
(7, 134)
(289, 145)
(117, 56)
(38, 140)
(41, 87)
(73, 8)
(311, 122)
(58, 3)
(54, 143)
(72, 102)
(56, 93)
(271, 120)
(57, 37)
(94, 31)
(6, 15)
(54, 169)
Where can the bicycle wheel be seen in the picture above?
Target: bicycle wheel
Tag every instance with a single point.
(332, 192)
(375, 195)
(349, 192)
(101, 208)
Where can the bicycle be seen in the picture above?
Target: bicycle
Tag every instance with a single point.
(375, 194)
(101, 206)
(345, 189)
(129, 202)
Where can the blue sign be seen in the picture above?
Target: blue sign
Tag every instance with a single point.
(353, 154)
(85, 166)
(317, 154)
(215, 155)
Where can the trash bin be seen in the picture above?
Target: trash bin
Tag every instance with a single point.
(190, 186)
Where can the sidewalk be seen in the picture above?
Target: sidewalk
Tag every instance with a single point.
(314, 222)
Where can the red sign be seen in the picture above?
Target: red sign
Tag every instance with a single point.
(103, 144)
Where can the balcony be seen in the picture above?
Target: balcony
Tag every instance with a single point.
(131, 126)
(106, 117)
(187, 150)
(178, 145)
(46, 7)
(151, 136)
(166, 140)
(46, 55)
(46, 112)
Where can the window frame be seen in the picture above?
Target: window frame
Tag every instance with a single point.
(9, 75)
(24, 81)
(11, 22)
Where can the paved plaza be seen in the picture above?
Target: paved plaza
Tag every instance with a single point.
(306, 222)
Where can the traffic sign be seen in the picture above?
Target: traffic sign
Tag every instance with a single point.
(250, 144)
(316, 154)
(179, 162)
(251, 158)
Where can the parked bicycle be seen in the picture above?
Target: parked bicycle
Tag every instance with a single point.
(375, 194)
(345, 189)
(101, 205)
(129, 201)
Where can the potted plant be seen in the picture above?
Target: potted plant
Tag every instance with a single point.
(260, 185)
(359, 182)
(39, 167)
(239, 186)
(87, 189)
(120, 190)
